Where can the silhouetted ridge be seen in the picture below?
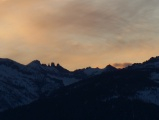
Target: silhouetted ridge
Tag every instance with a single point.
(113, 94)
(61, 69)
(152, 60)
(109, 68)
(52, 64)
(37, 62)
(6, 61)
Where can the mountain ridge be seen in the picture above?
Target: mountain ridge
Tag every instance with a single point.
(29, 82)
(121, 94)
(23, 84)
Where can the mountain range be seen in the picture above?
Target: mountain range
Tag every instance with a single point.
(23, 84)
(51, 92)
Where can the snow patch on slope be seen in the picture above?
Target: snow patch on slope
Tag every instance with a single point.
(66, 81)
(149, 95)
(92, 71)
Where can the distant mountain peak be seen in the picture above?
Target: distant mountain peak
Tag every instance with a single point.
(52, 64)
(109, 68)
(61, 69)
(8, 62)
(35, 62)
(58, 65)
(152, 63)
(153, 60)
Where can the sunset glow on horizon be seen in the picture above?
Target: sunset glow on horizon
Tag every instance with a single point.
(79, 33)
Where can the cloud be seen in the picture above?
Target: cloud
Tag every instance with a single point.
(121, 65)
(102, 18)
(79, 16)
(79, 32)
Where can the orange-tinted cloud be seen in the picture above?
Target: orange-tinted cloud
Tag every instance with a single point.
(79, 33)
(121, 65)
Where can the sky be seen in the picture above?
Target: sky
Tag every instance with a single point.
(79, 33)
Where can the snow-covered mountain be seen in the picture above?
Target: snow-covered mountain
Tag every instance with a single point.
(108, 93)
(94, 71)
(20, 84)
(23, 84)
(114, 94)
